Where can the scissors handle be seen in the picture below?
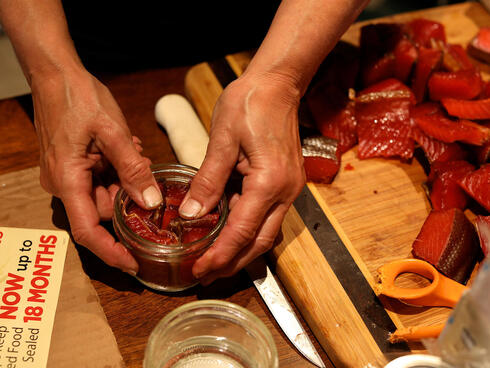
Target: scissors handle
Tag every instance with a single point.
(442, 292)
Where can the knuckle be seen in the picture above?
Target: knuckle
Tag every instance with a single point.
(50, 176)
(205, 187)
(268, 186)
(299, 183)
(221, 137)
(242, 234)
(221, 260)
(136, 168)
(107, 131)
(290, 181)
(274, 184)
(81, 236)
(263, 244)
(111, 260)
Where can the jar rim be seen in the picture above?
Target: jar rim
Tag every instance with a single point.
(173, 249)
(232, 310)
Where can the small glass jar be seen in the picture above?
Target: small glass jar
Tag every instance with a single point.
(165, 267)
(418, 361)
(210, 334)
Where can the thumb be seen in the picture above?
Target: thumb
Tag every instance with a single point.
(133, 169)
(208, 184)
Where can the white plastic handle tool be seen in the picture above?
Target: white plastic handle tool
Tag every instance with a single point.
(187, 135)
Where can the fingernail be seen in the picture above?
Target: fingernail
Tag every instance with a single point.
(152, 197)
(131, 272)
(200, 274)
(190, 208)
(207, 280)
(199, 270)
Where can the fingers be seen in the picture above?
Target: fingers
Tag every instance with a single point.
(208, 184)
(138, 144)
(132, 168)
(136, 140)
(240, 230)
(86, 230)
(263, 242)
(104, 200)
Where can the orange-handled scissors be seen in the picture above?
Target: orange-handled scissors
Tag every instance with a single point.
(442, 292)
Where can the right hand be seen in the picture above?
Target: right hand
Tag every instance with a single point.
(80, 129)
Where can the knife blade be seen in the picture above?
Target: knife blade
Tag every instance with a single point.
(276, 301)
(189, 140)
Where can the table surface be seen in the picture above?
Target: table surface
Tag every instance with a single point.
(131, 309)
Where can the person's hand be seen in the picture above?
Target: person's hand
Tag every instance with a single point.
(255, 131)
(81, 130)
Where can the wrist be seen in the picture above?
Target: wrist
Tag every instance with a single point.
(281, 85)
(55, 67)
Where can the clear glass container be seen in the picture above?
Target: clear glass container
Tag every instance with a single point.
(165, 267)
(210, 334)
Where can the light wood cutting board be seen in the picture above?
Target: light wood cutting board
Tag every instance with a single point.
(377, 208)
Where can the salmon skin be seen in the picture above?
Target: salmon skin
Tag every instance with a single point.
(432, 120)
(445, 192)
(477, 185)
(321, 158)
(479, 47)
(383, 121)
(448, 241)
(482, 224)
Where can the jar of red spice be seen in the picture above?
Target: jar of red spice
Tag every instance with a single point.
(164, 244)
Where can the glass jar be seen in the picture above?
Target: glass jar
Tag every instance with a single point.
(418, 361)
(165, 267)
(210, 334)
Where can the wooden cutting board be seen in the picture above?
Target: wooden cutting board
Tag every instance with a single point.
(377, 208)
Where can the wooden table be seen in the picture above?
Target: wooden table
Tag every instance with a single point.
(133, 310)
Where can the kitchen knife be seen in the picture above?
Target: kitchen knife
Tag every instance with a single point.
(189, 140)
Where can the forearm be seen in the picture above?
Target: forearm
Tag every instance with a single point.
(301, 35)
(39, 34)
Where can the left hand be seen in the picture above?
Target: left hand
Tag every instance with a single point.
(255, 131)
